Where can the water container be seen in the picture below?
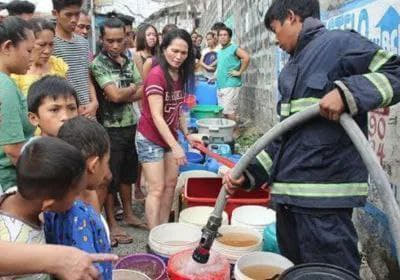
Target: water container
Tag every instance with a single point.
(192, 166)
(182, 141)
(253, 216)
(270, 240)
(318, 271)
(206, 111)
(233, 253)
(190, 101)
(126, 274)
(150, 265)
(235, 157)
(198, 216)
(212, 165)
(221, 149)
(206, 93)
(181, 266)
(219, 130)
(260, 259)
(168, 239)
(194, 157)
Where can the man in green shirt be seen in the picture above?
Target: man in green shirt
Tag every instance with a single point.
(232, 62)
(119, 84)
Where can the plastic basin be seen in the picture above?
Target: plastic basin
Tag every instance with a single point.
(206, 111)
(194, 157)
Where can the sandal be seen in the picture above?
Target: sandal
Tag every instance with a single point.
(121, 239)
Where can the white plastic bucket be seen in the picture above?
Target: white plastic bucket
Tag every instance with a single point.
(233, 253)
(218, 129)
(168, 239)
(198, 216)
(126, 274)
(253, 216)
(260, 259)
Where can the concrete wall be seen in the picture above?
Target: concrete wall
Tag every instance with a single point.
(379, 20)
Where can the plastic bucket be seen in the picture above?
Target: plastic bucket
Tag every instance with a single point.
(206, 93)
(246, 240)
(261, 259)
(198, 216)
(219, 130)
(192, 166)
(318, 271)
(253, 216)
(168, 239)
(148, 264)
(270, 241)
(206, 111)
(126, 274)
(182, 267)
(194, 157)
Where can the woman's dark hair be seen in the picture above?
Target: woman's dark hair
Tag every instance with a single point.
(186, 71)
(167, 28)
(86, 135)
(227, 29)
(279, 10)
(40, 24)
(112, 22)
(17, 7)
(48, 168)
(14, 29)
(141, 43)
(58, 5)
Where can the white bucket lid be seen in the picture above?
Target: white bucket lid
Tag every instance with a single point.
(254, 215)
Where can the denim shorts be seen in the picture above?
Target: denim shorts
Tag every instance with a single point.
(149, 151)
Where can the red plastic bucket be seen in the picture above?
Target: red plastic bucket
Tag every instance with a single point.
(181, 266)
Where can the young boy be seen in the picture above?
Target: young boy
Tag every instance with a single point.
(51, 101)
(50, 175)
(317, 175)
(82, 226)
(74, 49)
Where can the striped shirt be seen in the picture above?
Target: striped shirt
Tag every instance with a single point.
(76, 54)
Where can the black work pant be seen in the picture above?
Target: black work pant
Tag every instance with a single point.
(309, 235)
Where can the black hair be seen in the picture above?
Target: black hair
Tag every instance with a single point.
(127, 20)
(167, 28)
(210, 33)
(48, 168)
(40, 24)
(86, 135)
(227, 29)
(279, 10)
(58, 5)
(186, 71)
(218, 25)
(49, 86)
(112, 22)
(141, 43)
(13, 29)
(17, 7)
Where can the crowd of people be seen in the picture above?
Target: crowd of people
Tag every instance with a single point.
(79, 126)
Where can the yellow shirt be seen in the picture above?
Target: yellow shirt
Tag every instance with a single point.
(57, 67)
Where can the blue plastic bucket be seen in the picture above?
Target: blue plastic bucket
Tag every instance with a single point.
(192, 166)
(194, 157)
(206, 93)
(270, 242)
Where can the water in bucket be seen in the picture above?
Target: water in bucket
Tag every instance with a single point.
(181, 266)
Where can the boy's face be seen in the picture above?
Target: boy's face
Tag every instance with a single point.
(101, 173)
(52, 114)
(287, 33)
(68, 18)
(114, 41)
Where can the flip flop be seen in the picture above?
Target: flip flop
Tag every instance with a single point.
(121, 238)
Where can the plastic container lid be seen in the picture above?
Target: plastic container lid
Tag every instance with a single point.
(318, 271)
